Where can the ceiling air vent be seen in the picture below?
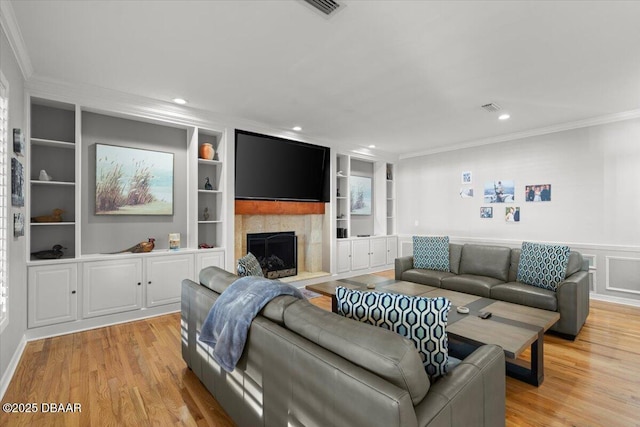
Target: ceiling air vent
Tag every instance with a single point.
(491, 107)
(327, 7)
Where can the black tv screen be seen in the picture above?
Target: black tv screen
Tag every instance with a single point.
(270, 168)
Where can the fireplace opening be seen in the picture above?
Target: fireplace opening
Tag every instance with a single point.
(276, 252)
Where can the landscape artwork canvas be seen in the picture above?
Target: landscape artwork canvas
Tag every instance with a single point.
(132, 181)
(360, 187)
(17, 183)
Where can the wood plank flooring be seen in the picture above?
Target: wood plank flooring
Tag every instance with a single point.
(133, 375)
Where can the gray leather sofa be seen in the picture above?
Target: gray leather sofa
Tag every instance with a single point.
(304, 366)
(491, 271)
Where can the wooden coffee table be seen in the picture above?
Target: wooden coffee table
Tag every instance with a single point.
(513, 327)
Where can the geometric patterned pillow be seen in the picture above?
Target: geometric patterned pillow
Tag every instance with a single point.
(422, 320)
(542, 265)
(249, 265)
(431, 252)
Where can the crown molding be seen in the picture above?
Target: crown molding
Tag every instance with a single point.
(14, 35)
(594, 121)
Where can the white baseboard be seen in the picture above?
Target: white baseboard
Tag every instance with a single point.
(11, 369)
(617, 300)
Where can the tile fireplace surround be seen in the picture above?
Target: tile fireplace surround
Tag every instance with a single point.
(308, 228)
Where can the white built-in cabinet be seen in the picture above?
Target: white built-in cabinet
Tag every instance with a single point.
(111, 287)
(84, 286)
(53, 294)
(366, 253)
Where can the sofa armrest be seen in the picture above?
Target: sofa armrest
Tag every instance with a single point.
(473, 393)
(573, 304)
(403, 264)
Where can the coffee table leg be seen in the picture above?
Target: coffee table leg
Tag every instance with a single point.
(534, 375)
(334, 304)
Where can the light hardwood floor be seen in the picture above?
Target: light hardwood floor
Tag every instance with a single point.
(133, 374)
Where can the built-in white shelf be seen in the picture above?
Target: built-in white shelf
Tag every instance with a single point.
(209, 222)
(209, 191)
(61, 183)
(50, 224)
(52, 143)
(209, 162)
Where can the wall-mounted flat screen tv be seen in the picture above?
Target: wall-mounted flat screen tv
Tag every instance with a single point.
(271, 168)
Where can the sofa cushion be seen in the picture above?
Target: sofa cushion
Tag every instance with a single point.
(455, 253)
(425, 277)
(422, 320)
(481, 260)
(216, 278)
(575, 263)
(471, 284)
(431, 252)
(249, 265)
(543, 265)
(385, 353)
(520, 293)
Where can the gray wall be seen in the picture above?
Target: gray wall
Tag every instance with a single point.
(110, 233)
(14, 332)
(595, 177)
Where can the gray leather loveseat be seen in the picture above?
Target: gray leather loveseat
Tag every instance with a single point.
(304, 366)
(492, 271)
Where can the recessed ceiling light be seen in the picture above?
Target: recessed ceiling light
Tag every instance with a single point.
(297, 128)
(503, 116)
(372, 146)
(180, 101)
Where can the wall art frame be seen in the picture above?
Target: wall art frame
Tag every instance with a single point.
(133, 181)
(361, 195)
(17, 183)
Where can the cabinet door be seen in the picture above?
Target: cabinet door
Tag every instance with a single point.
(378, 252)
(392, 249)
(111, 287)
(344, 256)
(164, 278)
(207, 259)
(360, 254)
(52, 294)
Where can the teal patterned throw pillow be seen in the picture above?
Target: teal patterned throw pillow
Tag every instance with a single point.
(249, 265)
(542, 265)
(431, 252)
(422, 320)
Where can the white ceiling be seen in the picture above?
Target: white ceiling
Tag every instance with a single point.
(407, 76)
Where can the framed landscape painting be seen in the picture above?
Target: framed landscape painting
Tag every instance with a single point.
(360, 187)
(17, 183)
(133, 181)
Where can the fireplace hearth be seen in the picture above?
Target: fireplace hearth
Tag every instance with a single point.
(276, 252)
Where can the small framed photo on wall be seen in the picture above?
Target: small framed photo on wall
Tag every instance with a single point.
(18, 142)
(466, 177)
(486, 212)
(18, 224)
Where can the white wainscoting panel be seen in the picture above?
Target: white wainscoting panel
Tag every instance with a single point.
(623, 274)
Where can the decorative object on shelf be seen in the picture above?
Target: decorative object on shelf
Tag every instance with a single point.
(141, 247)
(338, 193)
(132, 181)
(18, 224)
(18, 142)
(207, 184)
(389, 173)
(206, 151)
(44, 176)
(53, 253)
(174, 241)
(17, 183)
(56, 216)
(205, 214)
(205, 246)
(361, 201)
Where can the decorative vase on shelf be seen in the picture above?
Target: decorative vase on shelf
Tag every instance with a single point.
(207, 184)
(206, 151)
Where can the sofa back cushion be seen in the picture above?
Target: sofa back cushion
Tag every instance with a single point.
(485, 260)
(431, 252)
(422, 320)
(455, 253)
(543, 265)
(385, 353)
